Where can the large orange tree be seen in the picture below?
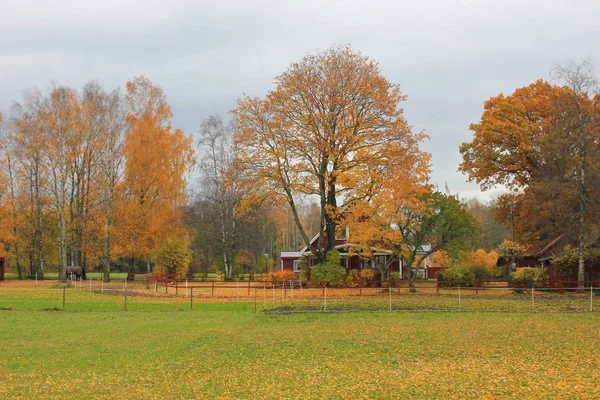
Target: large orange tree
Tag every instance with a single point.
(156, 162)
(543, 140)
(332, 128)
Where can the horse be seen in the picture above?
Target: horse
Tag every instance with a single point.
(75, 271)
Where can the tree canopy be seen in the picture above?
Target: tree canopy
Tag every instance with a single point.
(332, 127)
(543, 140)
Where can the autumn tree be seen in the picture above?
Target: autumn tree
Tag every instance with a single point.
(9, 208)
(479, 257)
(156, 162)
(511, 252)
(543, 140)
(28, 126)
(63, 115)
(110, 171)
(331, 128)
(173, 256)
(246, 260)
(220, 189)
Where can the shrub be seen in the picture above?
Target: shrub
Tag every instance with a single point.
(160, 270)
(330, 271)
(481, 272)
(455, 276)
(566, 266)
(174, 256)
(283, 276)
(353, 278)
(531, 276)
(367, 274)
(394, 279)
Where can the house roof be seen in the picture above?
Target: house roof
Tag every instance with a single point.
(545, 251)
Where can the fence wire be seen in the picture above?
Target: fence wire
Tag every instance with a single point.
(289, 297)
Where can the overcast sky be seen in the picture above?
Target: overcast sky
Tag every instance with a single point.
(448, 56)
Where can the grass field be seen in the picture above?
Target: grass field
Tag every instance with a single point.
(223, 349)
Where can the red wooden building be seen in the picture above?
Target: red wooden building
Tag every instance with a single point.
(290, 260)
(2, 268)
(543, 256)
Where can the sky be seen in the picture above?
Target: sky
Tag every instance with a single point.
(447, 56)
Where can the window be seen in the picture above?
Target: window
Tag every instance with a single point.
(343, 232)
(365, 263)
(296, 265)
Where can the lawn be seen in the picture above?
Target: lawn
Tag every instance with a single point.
(163, 350)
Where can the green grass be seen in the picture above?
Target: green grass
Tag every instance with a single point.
(223, 349)
(223, 354)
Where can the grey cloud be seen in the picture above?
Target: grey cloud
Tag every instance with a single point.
(448, 56)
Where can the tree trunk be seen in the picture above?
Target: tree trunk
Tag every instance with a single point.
(582, 230)
(330, 215)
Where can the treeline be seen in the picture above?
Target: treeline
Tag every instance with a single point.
(89, 176)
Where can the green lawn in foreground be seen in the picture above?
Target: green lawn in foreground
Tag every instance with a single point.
(237, 354)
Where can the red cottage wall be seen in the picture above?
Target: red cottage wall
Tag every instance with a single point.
(288, 263)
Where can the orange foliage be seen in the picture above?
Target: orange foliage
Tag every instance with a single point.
(480, 257)
(157, 160)
(332, 126)
(282, 276)
(245, 257)
(441, 259)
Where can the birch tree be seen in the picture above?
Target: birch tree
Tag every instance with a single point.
(215, 160)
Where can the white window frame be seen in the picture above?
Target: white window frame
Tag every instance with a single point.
(345, 234)
(296, 266)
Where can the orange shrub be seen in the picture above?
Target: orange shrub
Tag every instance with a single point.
(282, 276)
(367, 274)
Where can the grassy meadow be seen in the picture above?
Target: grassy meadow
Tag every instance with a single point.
(223, 349)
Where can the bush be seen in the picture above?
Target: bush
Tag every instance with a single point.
(283, 276)
(174, 256)
(481, 272)
(353, 278)
(566, 266)
(394, 279)
(330, 271)
(367, 274)
(455, 276)
(530, 276)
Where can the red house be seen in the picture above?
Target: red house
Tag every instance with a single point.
(290, 260)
